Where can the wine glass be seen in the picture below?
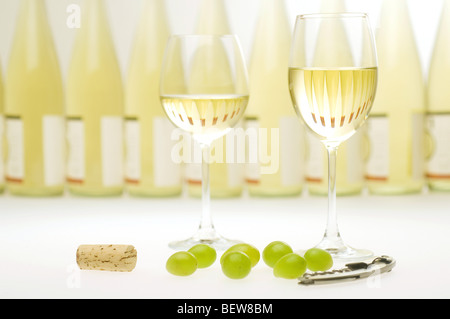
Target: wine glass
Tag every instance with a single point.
(333, 80)
(204, 91)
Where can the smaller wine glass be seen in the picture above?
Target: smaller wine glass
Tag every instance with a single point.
(204, 91)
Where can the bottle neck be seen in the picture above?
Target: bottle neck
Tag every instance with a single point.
(33, 15)
(395, 28)
(213, 18)
(442, 40)
(446, 12)
(393, 13)
(94, 23)
(274, 17)
(154, 17)
(332, 6)
(93, 13)
(275, 7)
(33, 33)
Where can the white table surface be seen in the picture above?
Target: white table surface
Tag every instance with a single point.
(39, 238)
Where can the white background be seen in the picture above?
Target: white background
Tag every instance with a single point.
(39, 237)
(242, 14)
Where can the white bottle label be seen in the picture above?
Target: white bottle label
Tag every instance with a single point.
(112, 150)
(315, 160)
(379, 158)
(355, 161)
(133, 151)
(2, 134)
(193, 173)
(53, 149)
(219, 152)
(418, 146)
(15, 166)
(252, 166)
(166, 172)
(292, 156)
(439, 161)
(76, 155)
(377, 168)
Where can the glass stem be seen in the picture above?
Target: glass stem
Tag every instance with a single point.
(332, 231)
(206, 224)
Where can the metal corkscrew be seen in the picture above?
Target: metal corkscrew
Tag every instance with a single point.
(350, 272)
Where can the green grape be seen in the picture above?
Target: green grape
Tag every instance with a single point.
(290, 266)
(274, 251)
(318, 259)
(181, 263)
(236, 265)
(205, 254)
(251, 251)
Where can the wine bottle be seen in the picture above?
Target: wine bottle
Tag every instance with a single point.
(34, 108)
(2, 133)
(350, 163)
(271, 110)
(149, 168)
(226, 179)
(95, 109)
(438, 118)
(396, 125)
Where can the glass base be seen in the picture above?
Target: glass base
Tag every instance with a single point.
(214, 240)
(342, 252)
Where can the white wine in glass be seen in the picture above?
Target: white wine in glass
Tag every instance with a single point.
(333, 90)
(205, 97)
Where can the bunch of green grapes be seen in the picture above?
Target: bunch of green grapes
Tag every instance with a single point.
(238, 261)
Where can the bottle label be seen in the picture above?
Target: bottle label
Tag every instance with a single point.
(315, 160)
(112, 150)
(111, 135)
(377, 168)
(252, 166)
(378, 130)
(76, 158)
(166, 172)
(133, 151)
(2, 134)
(54, 145)
(355, 158)
(53, 150)
(292, 155)
(438, 126)
(15, 166)
(282, 148)
(219, 156)
(418, 146)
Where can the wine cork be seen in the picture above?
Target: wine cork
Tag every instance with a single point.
(120, 258)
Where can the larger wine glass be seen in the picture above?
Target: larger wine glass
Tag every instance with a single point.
(333, 80)
(204, 91)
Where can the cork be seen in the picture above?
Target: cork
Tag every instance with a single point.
(118, 258)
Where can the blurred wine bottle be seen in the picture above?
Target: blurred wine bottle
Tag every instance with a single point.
(350, 163)
(438, 119)
(149, 168)
(95, 109)
(2, 132)
(34, 107)
(396, 125)
(226, 179)
(270, 109)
